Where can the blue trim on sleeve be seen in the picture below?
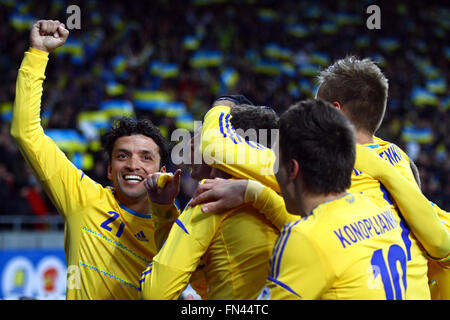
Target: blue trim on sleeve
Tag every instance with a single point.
(276, 249)
(147, 271)
(283, 285)
(141, 215)
(221, 125)
(373, 146)
(82, 175)
(181, 225)
(284, 244)
(232, 130)
(228, 124)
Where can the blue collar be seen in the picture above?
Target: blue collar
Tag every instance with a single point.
(141, 215)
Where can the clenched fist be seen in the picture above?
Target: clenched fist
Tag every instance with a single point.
(47, 35)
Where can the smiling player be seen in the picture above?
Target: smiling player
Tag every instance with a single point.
(109, 232)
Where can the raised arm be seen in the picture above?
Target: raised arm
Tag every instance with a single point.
(51, 167)
(224, 149)
(415, 207)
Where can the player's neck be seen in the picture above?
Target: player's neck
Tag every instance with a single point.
(141, 205)
(363, 137)
(310, 202)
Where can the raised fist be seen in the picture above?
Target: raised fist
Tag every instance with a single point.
(47, 35)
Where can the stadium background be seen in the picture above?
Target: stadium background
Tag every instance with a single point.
(168, 60)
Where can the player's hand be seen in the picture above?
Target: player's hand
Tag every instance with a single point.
(163, 188)
(47, 35)
(219, 194)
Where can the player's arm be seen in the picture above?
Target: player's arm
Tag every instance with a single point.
(162, 189)
(223, 148)
(65, 184)
(415, 207)
(298, 268)
(172, 267)
(217, 195)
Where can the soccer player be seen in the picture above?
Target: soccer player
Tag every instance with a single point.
(109, 232)
(405, 192)
(234, 247)
(359, 89)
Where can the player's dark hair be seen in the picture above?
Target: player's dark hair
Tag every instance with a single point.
(322, 140)
(415, 172)
(360, 87)
(127, 127)
(246, 117)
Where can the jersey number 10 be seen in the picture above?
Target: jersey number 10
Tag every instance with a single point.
(390, 275)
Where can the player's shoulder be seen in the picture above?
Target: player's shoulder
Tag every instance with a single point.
(380, 144)
(347, 207)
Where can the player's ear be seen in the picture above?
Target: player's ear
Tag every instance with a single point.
(163, 169)
(337, 105)
(294, 169)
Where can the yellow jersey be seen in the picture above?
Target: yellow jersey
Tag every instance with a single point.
(438, 271)
(347, 248)
(107, 245)
(234, 249)
(372, 188)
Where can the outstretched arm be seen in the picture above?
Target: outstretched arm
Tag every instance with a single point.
(416, 209)
(222, 148)
(51, 167)
(219, 195)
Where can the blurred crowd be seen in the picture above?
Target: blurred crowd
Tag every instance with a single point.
(168, 60)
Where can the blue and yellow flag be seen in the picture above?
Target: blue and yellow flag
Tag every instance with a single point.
(422, 97)
(150, 99)
(163, 69)
(191, 42)
(420, 135)
(206, 58)
(117, 108)
(74, 48)
(68, 140)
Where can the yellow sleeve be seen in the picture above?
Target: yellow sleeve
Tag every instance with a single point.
(416, 209)
(224, 149)
(298, 268)
(269, 203)
(164, 216)
(172, 267)
(67, 187)
(444, 216)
